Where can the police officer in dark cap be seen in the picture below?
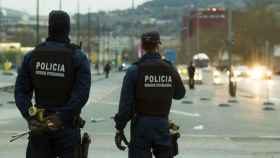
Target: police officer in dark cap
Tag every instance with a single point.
(146, 97)
(58, 74)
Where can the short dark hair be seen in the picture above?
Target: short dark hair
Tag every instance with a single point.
(150, 41)
(150, 47)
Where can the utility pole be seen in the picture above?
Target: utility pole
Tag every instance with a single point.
(232, 80)
(99, 40)
(89, 33)
(132, 34)
(133, 4)
(102, 43)
(186, 38)
(1, 21)
(108, 46)
(198, 31)
(268, 104)
(60, 4)
(78, 22)
(269, 61)
(230, 35)
(37, 22)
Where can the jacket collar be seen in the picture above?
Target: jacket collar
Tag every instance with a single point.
(151, 56)
(59, 39)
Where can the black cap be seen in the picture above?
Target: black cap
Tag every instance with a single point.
(151, 37)
(59, 23)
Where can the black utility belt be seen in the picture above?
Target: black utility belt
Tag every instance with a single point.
(152, 115)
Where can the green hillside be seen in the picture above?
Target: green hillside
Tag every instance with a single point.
(162, 15)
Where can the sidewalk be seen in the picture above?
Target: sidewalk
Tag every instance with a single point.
(8, 81)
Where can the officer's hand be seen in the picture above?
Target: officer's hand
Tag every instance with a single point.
(54, 123)
(119, 138)
(36, 126)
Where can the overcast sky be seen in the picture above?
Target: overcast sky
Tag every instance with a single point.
(69, 5)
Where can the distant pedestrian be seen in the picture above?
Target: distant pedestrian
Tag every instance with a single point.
(107, 69)
(96, 67)
(191, 72)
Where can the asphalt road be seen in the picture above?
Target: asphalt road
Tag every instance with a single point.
(241, 129)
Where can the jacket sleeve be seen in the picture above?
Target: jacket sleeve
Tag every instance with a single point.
(23, 87)
(127, 99)
(179, 91)
(81, 89)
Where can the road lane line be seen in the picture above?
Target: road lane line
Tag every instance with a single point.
(106, 103)
(199, 136)
(270, 137)
(185, 113)
(198, 127)
(274, 98)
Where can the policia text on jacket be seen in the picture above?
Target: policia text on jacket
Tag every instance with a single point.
(50, 69)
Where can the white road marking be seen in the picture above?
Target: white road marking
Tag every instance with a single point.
(226, 137)
(274, 99)
(185, 113)
(106, 103)
(97, 120)
(11, 132)
(199, 127)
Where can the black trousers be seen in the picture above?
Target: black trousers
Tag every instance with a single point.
(60, 144)
(150, 136)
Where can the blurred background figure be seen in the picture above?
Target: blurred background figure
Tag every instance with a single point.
(96, 67)
(191, 72)
(107, 69)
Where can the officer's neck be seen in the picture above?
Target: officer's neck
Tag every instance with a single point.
(151, 52)
(59, 39)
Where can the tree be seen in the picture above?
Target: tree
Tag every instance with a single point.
(253, 28)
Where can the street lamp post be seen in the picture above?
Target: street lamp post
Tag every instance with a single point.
(268, 104)
(230, 42)
(133, 55)
(89, 33)
(78, 21)
(99, 40)
(1, 21)
(198, 32)
(37, 22)
(133, 4)
(60, 4)
(230, 35)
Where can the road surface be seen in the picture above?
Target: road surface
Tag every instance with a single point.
(237, 130)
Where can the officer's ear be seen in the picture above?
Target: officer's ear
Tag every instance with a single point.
(157, 49)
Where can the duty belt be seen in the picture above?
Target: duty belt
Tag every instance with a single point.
(152, 115)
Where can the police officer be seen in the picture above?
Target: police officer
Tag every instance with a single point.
(146, 97)
(58, 73)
